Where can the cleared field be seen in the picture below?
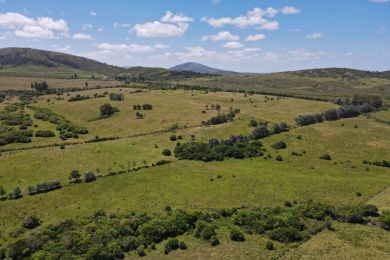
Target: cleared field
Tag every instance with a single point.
(24, 83)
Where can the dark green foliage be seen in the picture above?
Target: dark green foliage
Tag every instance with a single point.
(44, 133)
(182, 245)
(221, 118)
(216, 150)
(75, 176)
(64, 126)
(89, 177)
(279, 158)
(147, 107)
(285, 234)
(15, 194)
(204, 230)
(261, 131)
(383, 163)
(40, 86)
(171, 245)
(44, 187)
(384, 219)
(167, 152)
(279, 145)
(173, 138)
(279, 128)
(326, 157)
(269, 245)
(253, 123)
(3, 192)
(78, 97)
(214, 241)
(237, 235)
(106, 110)
(31, 222)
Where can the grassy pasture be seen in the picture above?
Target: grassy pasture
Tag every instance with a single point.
(24, 83)
(193, 185)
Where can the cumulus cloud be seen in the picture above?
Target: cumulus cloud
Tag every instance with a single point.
(160, 46)
(255, 17)
(39, 28)
(61, 48)
(195, 53)
(125, 48)
(221, 36)
(82, 36)
(86, 26)
(92, 13)
(170, 17)
(290, 10)
(233, 45)
(314, 36)
(170, 25)
(255, 37)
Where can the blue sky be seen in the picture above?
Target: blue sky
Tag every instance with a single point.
(241, 35)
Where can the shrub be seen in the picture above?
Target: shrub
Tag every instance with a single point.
(171, 244)
(147, 107)
(214, 241)
(44, 133)
(269, 245)
(89, 177)
(141, 251)
(167, 152)
(237, 235)
(384, 219)
(279, 158)
(31, 222)
(326, 157)
(106, 110)
(182, 245)
(173, 138)
(116, 97)
(279, 145)
(204, 230)
(285, 234)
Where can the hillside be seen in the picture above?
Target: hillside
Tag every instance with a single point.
(341, 73)
(25, 61)
(200, 68)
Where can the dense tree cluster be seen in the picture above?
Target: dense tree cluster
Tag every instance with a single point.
(2, 97)
(14, 124)
(221, 118)
(44, 187)
(110, 236)
(117, 96)
(106, 110)
(44, 133)
(334, 114)
(358, 100)
(64, 126)
(9, 136)
(238, 147)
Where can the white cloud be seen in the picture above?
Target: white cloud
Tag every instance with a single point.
(35, 32)
(254, 17)
(160, 46)
(255, 37)
(39, 28)
(158, 29)
(170, 25)
(271, 56)
(92, 13)
(195, 53)
(170, 17)
(122, 25)
(290, 10)
(125, 48)
(61, 48)
(302, 54)
(82, 36)
(100, 29)
(233, 45)
(86, 26)
(221, 36)
(314, 36)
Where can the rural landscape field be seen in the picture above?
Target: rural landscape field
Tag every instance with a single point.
(145, 159)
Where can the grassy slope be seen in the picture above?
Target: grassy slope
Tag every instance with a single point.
(187, 184)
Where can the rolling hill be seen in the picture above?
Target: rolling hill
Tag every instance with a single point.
(200, 68)
(25, 61)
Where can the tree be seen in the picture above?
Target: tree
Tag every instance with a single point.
(15, 194)
(2, 192)
(261, 131)
(31, 222)
(107, 110)
(167, 152)
(89, 177)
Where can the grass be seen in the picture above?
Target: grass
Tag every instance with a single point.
(24, 83)
(194, 185)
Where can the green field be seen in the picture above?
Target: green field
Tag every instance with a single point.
(201, 186)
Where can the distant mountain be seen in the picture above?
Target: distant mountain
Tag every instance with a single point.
(200, 68)
(26, 60)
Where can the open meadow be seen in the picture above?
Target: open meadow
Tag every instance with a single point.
(192, 185)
